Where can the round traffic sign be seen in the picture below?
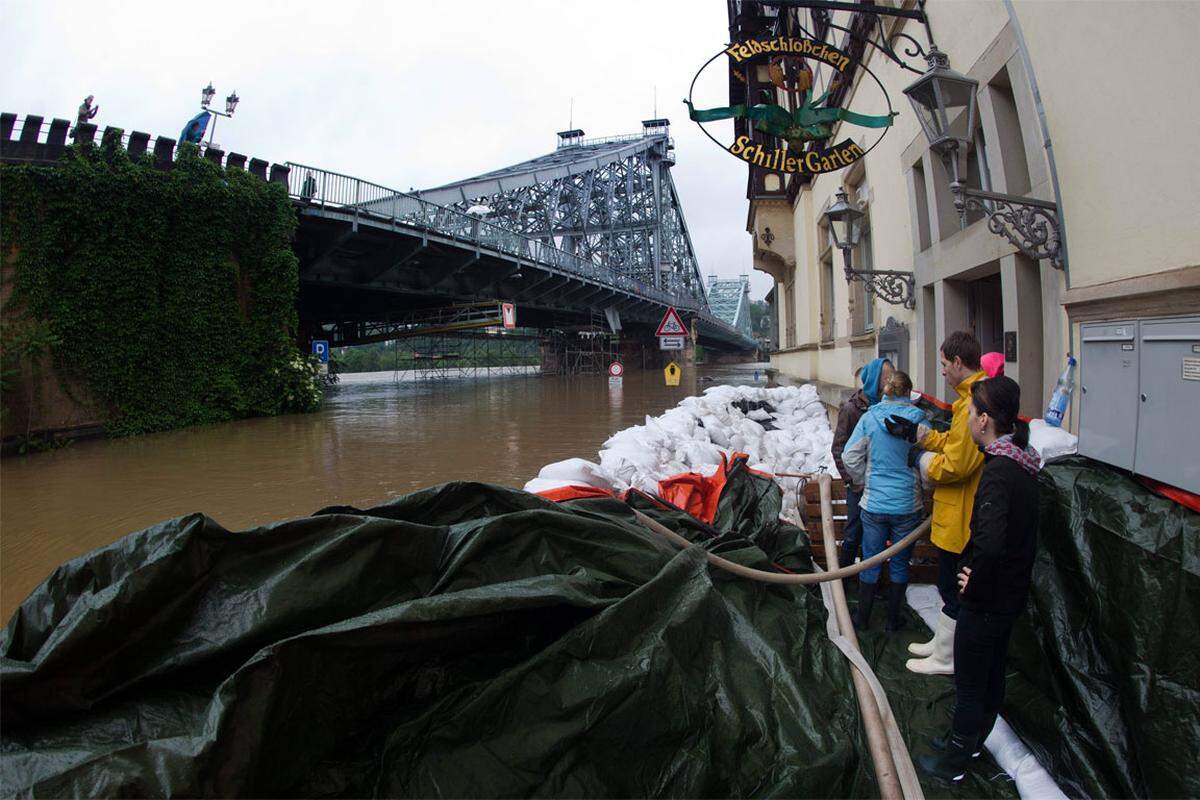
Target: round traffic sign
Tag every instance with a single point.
(615, 369)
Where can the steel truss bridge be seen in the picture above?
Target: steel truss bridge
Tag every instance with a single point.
(594, 226)
(592, 231)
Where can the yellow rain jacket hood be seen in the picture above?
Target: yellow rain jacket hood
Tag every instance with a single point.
(955, 471)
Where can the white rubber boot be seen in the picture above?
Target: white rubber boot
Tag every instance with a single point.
(940, 661)
(925, 649)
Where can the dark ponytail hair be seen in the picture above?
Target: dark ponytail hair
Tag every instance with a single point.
(1000, 399)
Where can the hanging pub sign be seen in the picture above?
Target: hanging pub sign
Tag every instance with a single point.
(790, 68)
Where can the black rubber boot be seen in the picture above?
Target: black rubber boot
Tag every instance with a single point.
(942, 742)
(846, 555)
(895, 618)
(866, 599)
(949, 764)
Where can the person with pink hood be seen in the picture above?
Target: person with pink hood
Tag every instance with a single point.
(992, 364)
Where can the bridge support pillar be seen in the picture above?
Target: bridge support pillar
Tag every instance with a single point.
(643, 352)
(550, 357)
(635, 353)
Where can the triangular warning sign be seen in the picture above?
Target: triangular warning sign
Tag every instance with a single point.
(671, 325)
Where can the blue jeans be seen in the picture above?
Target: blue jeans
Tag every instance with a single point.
(881, 528)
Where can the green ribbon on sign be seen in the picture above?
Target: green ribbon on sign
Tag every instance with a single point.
(806, 123)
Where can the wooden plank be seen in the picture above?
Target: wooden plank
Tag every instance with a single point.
(813, 510)
(812, 491)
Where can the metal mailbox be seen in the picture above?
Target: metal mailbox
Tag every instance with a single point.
(1168, 440)
(1140, 395)
(1108, 392)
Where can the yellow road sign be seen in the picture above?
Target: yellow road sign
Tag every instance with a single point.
(672, 372)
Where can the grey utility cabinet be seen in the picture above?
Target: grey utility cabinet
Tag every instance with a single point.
(1140, 396)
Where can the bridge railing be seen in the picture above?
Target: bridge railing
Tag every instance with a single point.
(326, 189)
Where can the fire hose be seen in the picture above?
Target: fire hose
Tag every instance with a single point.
(894, 771)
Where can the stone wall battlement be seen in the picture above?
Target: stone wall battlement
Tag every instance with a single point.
(42, 142)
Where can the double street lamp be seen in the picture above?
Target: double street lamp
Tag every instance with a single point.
(206, 97)
(942, 98)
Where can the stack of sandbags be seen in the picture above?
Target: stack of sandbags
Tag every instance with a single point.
(784, 429)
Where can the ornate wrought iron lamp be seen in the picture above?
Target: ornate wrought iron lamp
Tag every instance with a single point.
(940, 97)
(890, 285)
(206, 98)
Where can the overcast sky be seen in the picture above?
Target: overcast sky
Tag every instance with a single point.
(399, 92)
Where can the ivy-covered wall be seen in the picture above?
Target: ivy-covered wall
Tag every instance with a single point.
(170, 296)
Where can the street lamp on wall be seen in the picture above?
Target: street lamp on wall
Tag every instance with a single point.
(939, 97)
(890, 285)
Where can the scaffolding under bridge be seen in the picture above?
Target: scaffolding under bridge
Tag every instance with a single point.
(469, 340)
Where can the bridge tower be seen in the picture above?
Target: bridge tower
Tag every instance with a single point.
(608, 200)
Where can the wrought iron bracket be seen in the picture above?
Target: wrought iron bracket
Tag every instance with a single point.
(1031, 225)
(873, 34)
(897, 287)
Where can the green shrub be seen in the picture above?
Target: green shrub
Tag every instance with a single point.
(171, 295)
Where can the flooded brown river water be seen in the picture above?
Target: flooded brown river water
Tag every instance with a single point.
(375, 438)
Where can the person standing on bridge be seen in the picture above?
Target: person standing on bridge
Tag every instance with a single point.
(87, 112)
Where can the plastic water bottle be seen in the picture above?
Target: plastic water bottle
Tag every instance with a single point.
(1061, 399)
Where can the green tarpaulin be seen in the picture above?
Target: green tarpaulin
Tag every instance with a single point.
(465, 640)
(1104, 679)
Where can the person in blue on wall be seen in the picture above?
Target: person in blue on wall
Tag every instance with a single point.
(891, 505)
(193, 131)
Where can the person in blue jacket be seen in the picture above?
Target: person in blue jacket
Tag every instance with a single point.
(891, 505)
(873, 375)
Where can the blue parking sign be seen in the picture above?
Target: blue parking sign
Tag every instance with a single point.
(320, 348)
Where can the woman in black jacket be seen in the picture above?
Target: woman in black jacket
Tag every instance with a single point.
(994, 571)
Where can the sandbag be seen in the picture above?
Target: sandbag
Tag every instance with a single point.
(1051, 442)
(576, 470)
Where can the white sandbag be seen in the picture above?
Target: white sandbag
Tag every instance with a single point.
(546, 484)
(697, 453)
(781, 442)
(759, 414)
(616, 464)
(716, 431)
(627, 435)
(750, 429)
(672, 468)
(646, 482)
(924, 462)
(1051, 442)
(578, 471)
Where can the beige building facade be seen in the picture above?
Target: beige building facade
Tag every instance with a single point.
(1090, 105)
